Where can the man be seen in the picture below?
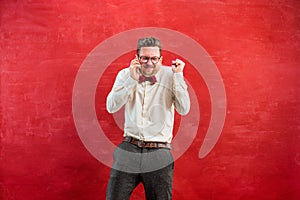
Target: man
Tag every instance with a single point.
(149, 92)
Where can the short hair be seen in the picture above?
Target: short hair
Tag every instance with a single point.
(148, 42)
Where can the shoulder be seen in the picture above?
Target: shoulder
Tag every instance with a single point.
(124, 72)
(123, 75)
(165, 75)
(166, 71)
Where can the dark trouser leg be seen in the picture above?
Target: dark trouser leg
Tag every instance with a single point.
(158, 184)
(122, 182)
(154, 167)
(121, 185)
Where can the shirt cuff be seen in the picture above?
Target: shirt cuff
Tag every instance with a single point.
(179, 80)
(178, 76)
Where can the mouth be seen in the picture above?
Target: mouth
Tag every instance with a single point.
(149, 66)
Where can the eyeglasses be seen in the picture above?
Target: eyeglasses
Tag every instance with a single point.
(145, 59)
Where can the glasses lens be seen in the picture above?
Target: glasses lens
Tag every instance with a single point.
(154, 59)
(145, 59)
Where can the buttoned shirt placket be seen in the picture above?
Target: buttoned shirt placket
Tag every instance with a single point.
(145, 105)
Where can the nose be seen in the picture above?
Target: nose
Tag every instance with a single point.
(149, 60)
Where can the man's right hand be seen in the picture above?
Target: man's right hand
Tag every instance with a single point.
(135, 69)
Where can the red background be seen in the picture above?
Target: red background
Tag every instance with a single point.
(255, 45)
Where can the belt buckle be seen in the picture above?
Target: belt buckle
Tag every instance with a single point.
(141, 143)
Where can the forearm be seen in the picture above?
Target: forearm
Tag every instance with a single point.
(181, 95)
(120, 93)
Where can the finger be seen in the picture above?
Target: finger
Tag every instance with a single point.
(180, 63)
(138, 67)
(135, 60)
(174, 63)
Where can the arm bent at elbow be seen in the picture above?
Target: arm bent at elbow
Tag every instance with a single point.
(121, 91)
(181, 95)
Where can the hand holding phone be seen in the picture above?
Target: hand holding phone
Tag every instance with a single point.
(135, 68)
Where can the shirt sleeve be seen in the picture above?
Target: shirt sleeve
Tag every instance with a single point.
(181, 95)
(121, 92)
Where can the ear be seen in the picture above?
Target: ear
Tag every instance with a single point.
(161, 59)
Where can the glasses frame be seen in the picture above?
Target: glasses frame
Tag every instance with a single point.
(149, 58)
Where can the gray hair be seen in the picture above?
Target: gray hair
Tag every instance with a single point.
(148, 42)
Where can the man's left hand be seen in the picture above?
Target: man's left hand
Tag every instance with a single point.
(178, 66)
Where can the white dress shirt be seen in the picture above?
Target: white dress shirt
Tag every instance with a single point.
(149, 109)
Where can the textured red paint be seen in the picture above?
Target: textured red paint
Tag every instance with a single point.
(255, 45)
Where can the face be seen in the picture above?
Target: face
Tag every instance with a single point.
(148, 56)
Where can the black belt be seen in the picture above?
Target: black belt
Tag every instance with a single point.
(143, 144)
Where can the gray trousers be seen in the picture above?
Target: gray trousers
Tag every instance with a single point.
(134, 165)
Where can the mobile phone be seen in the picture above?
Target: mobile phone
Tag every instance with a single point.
(138, 69)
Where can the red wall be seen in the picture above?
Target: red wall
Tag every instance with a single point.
(255, 45)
